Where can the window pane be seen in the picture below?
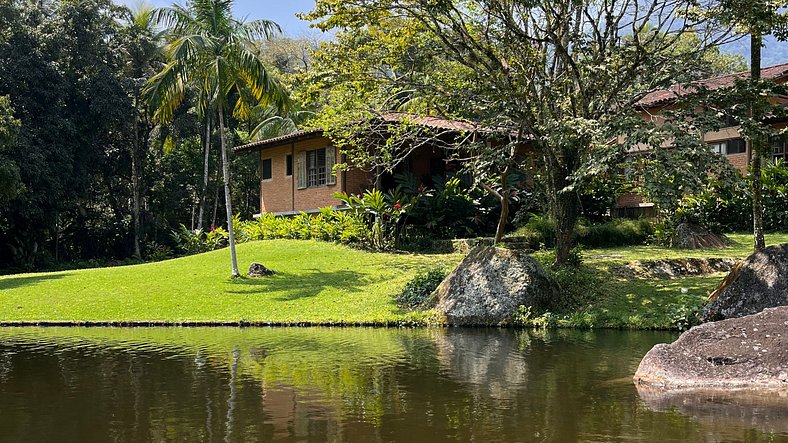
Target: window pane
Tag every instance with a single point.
(267, 169)
(289, 165)
(736, 146)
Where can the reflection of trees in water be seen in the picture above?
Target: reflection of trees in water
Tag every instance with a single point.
(329, 384)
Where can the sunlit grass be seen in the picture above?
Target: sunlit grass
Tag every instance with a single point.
(741, 248)
(315, 282)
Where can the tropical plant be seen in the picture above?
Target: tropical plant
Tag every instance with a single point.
(385, 212)
(214, 52)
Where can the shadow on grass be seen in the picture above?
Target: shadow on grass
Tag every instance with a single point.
(307, 283)
(18, 282)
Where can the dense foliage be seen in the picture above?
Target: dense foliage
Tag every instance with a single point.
(728, 208)
(81, 157)
(539, 232)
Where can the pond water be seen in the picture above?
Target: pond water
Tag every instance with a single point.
(353, 384)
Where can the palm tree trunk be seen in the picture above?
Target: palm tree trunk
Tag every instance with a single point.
(756, 142)
(203, 196)
(227, 197)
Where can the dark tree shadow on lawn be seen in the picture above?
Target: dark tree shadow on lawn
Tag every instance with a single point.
(18, 282)
(308, 283)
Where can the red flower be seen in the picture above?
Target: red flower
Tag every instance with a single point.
(421, 189)
(397, 206)
(213, 228)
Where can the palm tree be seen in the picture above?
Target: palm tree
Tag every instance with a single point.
(274, 122)
(216, 54)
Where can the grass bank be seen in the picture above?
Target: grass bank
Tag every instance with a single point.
(316, 283)
(328, 284)
(603, 299)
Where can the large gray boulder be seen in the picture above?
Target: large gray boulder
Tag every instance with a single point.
(759, 282)
(748, 352)
(489, 286)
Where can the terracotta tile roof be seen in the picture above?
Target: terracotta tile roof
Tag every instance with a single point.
(665, 96)
(278, 141)
(431, 122)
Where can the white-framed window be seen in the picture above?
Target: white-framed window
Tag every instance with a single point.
(316, 168)
(778, 149)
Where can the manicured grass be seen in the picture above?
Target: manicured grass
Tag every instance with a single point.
(316, 283)
(740, 249)
(325, 283)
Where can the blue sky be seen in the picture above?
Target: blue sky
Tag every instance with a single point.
(283, 12)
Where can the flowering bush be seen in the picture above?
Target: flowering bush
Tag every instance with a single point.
(385, 214)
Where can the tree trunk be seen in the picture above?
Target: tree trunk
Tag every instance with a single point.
(136, 190)
(565, 207)
(759, 242)
(499, 231)
(206, 161)
(565, 213)
(227, 197)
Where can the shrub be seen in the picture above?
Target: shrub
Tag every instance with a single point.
(197, 241)
(729, 208)
(418, 290)
(327, 225)
(617, 232)
(539, 232)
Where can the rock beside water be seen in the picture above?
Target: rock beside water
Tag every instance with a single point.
(759, 282)
(489, 286)
(749, 352)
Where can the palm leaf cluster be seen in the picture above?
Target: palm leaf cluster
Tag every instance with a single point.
(217, 55)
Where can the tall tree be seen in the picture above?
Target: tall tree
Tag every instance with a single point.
(561, 76)
(143, 49)
(756, 18)
(216, 53)
(10, 182)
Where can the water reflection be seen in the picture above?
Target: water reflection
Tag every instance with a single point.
(724, 411)
(355, 384)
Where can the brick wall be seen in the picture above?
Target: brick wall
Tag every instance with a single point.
(279, 194)
(358, 181)
(276, 194)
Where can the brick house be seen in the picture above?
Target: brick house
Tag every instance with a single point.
(297, 169)
(727, 141)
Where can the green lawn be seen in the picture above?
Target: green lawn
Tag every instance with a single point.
(325, 283)
(740, 249)
(614, 302)
(316, 283)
